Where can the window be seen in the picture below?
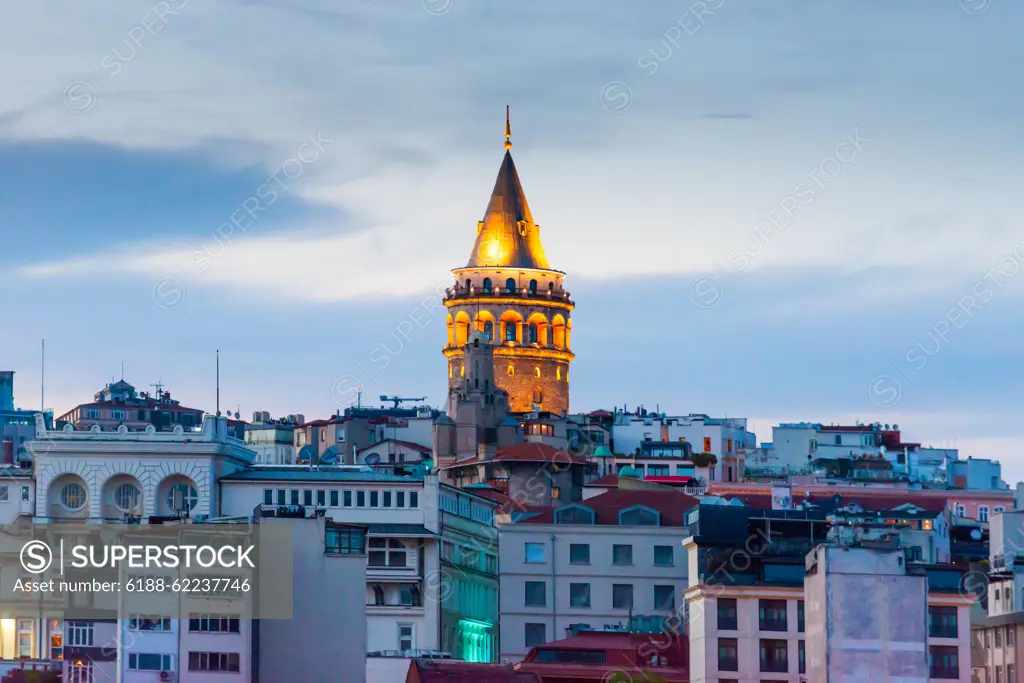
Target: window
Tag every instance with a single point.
(72, 497)
(663, 556)
(414, 499)
(556, 492)
(774, 656)
(622, 596)
(657, 470)
(294, 496)
(726, 614)
(999, 637)
(983, 513)
(142, 661)
(800, 616)
(399, 499)
(374, 499)
(801, 657)
(961, 511)
(728, 655)
(406, 637)
(772, 615)
(25, 632)
(489, 329)
(533, 287)
(321, 498)
(535, 552)
(707, 444)
(533, 340)
(360, 499)
(213, 661)
(664, 597)
(126, 497)
(344, 541)
(334, 499)
(998, 509)
(579, 595)
(622, 554)
(307, 497)
(1011, 635)
(205, 623)
(510, 330)
(944, 661)
(535, 634)
(511, 370)
(1011, 674)
(942, 622)
(535, 594)
(639, 516)
(347, 497)
(510, 285)
(24, 493)
(487, 285)
(79, 633)
(386, 552)
(282, 498)
(268, 496)
(182, 497)
(579, 553)
(80, 672)
(160, 624)
(92, 413)
(387, 499)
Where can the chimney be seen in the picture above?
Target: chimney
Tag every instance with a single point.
(7, 456)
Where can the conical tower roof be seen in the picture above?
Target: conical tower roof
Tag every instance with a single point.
(508, 237)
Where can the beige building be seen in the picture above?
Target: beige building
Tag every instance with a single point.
(615, 556)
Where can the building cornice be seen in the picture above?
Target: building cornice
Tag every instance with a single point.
(512, 299)
(517, 352)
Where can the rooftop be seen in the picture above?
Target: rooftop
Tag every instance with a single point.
(447, 671)
(671, 507)
(322, 473)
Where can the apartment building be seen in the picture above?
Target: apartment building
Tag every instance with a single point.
(119, 404)
(613, 558)
(748, 601)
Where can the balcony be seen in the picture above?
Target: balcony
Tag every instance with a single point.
(462, 292)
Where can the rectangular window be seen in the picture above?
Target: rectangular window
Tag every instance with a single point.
(295, 496)
(205, 623)
(321, 498)
(983, 513)
(772, 615)
(728, 655)
(942, 622)
(142, 661)
(944, 661)
(622, 596)
(774, 656)
(579, 553)
(347, 495)
(801, 656)
(387, 552)
(1011, 673)
(726, 614)
(282, 497)
(707, 444)
(579, 595)
(213, 661)
(535, 634)
(25, 632)
(158, 624)
(268, 496)
(374, 499)
(534, 552)
(536, 594)
(400, 499)
(664, 597)
(657, 470)
(800, 616)
(999, 637)
(622, 554)
(79, 633)
(387, 499)
(406, 637)
(334, 499)
(414, 499)
(360, 499)
(307, 497)
(344, 541)
(663, 556)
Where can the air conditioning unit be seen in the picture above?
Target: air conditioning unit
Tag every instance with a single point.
(166, 675)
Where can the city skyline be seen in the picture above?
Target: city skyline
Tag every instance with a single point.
(653, 149)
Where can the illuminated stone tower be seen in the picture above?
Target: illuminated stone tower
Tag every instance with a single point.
(508, 291)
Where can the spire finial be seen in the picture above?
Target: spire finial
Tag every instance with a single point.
(508, 130)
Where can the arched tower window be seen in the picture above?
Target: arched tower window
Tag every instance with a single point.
(511, 370)
(533, 286)
(462, 371)
(469, 283)
(510, 285)
(558, 373)
(538, 395)
(487, 285)
(489, 329)
(551, 286)
(510, 330)
(450, 371)
(533, 333)
(536, 372)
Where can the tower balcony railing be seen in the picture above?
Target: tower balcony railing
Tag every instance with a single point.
(463, 292)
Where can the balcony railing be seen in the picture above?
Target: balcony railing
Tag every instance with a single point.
(461, 292)
(943, 631)
(772, 625)
(774, 666)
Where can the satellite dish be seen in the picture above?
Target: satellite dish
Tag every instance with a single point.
(306, 453)
(373, 459)
(976, 534)
(330, 456)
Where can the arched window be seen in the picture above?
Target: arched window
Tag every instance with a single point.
(533, 333)
(487, 285)
(469, 283)
(489, 329)
(533, 286)
(462, 371)
(574, 514)
(639, 515)
(510, 330)
(510, 285)
(511, 370)
(551, 286)
(450, 371)
(536, 372)
(558, 373)
(538, 395)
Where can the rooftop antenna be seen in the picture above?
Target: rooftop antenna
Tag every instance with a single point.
(218, 382)
(122, 371)
(359, 396)
(42, 381)
(508, 131)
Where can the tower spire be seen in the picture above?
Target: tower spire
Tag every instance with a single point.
(508, 130)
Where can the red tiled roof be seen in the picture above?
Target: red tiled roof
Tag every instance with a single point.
(446, 671)
(599, 413)
(624, 652)
(672, 505)
(527, 452)
(607, 481)
(505, 503)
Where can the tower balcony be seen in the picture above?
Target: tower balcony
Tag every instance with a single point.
(461, 291)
